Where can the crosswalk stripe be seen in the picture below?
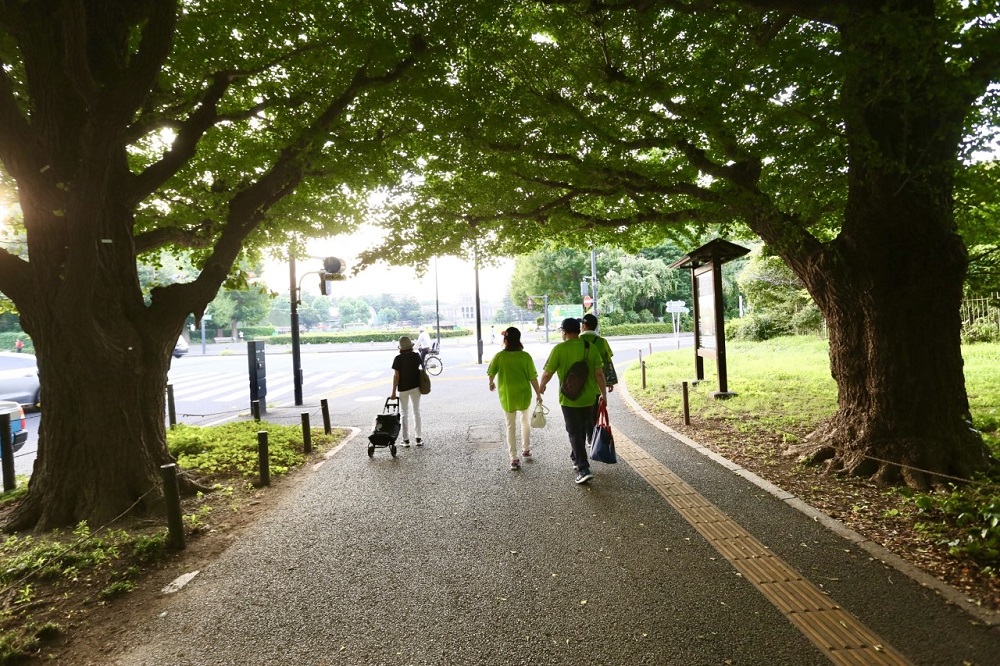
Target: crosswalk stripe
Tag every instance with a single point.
(337, 379)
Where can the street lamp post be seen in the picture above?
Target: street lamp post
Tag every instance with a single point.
(593, 275)
(479, 322)
(296, 353)
(332, 269)
(437, 303)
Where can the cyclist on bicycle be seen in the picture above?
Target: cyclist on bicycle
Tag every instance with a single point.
(423, 344)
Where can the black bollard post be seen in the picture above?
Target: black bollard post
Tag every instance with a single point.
(325, 404)
(7, 451)
(172, 499)
(171, 406)
(263, 458)
(255, 409)
(687, 407)
(643, 375)
(307, 444)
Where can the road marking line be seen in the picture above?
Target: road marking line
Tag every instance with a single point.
(835, 631)
(337, 379)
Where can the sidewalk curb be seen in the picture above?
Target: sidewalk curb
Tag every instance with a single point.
(949, 593)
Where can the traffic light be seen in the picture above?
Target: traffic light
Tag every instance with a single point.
(333, 265)
(333, 269)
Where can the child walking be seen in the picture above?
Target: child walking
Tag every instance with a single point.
(513, 371)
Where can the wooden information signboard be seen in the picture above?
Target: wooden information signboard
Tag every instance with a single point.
(705, 264)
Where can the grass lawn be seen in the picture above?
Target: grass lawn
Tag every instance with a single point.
(784, 386)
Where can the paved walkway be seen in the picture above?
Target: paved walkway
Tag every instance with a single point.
(444, 556)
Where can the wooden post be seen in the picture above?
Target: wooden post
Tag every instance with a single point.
(172, 499)
(171, 406)
(643, 375)
(263, 460)
(7, 451)
(307, 445)
(325, 405)
(687, 408)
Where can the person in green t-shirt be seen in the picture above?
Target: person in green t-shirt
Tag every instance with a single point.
(513, 371)
(579, 412)
(589, 333)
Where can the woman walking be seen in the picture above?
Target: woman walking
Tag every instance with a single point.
(406, 382)
(513, 370)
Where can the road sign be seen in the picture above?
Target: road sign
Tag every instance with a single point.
(587, 301)
(559, 312)
(530, 303)
(676, 306)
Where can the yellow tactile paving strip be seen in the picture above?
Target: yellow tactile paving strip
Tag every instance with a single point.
(837, 633)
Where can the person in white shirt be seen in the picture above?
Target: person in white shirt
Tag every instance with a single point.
(423, 344)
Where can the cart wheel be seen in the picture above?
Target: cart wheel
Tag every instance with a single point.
(392, 450)
(371, 450)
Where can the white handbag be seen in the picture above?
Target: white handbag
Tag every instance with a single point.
(538, 416)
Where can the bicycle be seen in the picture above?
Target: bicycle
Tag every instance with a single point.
(432, 361)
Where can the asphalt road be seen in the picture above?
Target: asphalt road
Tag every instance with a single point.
(211, 383)
(444, 556)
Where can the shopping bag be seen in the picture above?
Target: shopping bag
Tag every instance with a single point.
(602, 444)
(538, 416)
(425, 383)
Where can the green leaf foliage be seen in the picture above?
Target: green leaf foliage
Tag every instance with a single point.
(231, 449)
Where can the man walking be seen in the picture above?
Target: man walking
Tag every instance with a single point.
(590, 335)
(578, 411)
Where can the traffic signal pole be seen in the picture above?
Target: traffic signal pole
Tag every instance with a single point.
(296, 352)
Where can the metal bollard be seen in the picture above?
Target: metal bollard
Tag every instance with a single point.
(172, 500)
(171, 406)
(650, 348)
(307, 444)
(263, 459)
(7, 451)
(643, 375)
(687, 407)
(327, 428)
(255, 409)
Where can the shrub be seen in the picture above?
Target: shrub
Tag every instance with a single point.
(8, 339)
(250, 332)
(359, 336)
(636, 329)
(984, 329)
(754, 328)
(807, 320)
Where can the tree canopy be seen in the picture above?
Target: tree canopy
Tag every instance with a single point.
(836, 131)
(205, 129)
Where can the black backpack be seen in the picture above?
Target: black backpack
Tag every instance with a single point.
(576, 378)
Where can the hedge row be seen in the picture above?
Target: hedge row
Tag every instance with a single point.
(636, 329)
(355, 336)
(8, 339)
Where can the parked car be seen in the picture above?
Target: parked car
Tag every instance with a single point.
(18, 424)
(19, 379)
(181, 347)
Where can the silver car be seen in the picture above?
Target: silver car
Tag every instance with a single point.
(19, 379)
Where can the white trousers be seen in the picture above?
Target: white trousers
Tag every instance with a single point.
(512, 432)
(407, 398)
